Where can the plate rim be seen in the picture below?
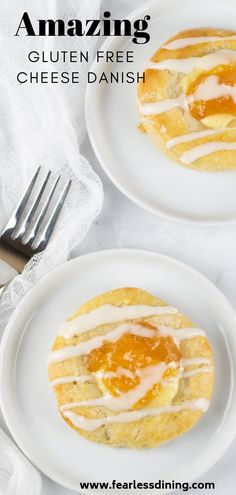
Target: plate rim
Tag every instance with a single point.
(91, 130)
(231, 433)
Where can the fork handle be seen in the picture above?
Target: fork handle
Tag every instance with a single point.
(11, 263)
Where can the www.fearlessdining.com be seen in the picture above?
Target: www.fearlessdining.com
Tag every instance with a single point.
(158, 485)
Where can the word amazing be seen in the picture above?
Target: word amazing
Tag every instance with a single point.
(96, 27)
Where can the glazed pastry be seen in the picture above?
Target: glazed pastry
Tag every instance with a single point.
(128, 370)
(187, 103)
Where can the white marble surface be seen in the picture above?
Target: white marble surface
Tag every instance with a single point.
(209, 250)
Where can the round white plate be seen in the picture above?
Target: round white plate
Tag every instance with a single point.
(31, 413)
(130, 159)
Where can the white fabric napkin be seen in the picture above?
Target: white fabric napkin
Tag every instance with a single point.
(41, 125)
(17, 476)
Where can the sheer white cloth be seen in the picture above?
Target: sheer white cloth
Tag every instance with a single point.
(41, 125)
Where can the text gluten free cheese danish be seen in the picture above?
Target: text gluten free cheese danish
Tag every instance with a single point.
(187, 102)
(129, 370)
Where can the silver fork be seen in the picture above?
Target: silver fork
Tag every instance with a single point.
(32, 223)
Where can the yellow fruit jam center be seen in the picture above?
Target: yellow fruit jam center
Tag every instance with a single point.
(133, 353)
(201, 109)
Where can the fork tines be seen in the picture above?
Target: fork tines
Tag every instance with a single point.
(32, 223)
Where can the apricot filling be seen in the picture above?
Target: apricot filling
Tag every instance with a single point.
(222, 75)
(133, 353)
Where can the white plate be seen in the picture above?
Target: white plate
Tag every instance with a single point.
(130, 159)
(31, 413)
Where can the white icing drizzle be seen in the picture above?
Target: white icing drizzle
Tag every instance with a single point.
(211, 89)
(184, 42)
(79, 421)
(109, 313)
(163, 106)
(191, 136)
(186, 65)
(125, 372)
(203, 369)
(85, 347)
(139, 330)
(114, 374)
(91, 376)
(195, 361)
(163, 129)
(69, 379)
(182, 65)
(181, 334)
(207, 90)
(142, 331)
(149, 376)
(198, 362)
(206, 149)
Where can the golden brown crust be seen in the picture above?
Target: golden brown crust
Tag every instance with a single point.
(149, 431)
(165, 84)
